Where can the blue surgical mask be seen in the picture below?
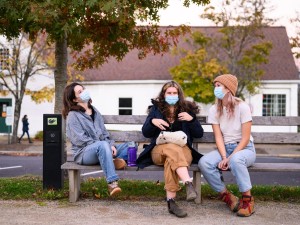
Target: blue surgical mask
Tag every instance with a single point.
(171, 99)
(218, 91)
(85, 96)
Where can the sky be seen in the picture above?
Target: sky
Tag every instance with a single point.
(177, 14)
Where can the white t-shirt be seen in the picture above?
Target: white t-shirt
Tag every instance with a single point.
(231, 127)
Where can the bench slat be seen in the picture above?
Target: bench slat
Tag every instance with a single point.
(208, 137)
(257, 120)
(275, 167)
(74, 166)
(257, 167)
(276, 120)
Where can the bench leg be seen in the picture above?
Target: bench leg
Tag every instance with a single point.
(74, 185)
(197, 185)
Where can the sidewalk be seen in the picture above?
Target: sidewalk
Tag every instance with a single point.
(91, 212)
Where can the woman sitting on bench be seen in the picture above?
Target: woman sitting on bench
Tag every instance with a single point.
(171, 112)
(91, 143)
(231, 122)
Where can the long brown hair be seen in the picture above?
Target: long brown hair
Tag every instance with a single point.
(69, 104)
(181, 106)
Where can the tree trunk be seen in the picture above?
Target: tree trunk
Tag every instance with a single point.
(60, 76)
(18, 105)
(299, 104)
(17, 111)
(60, 73)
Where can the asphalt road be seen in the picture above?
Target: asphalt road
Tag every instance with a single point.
(13, 166)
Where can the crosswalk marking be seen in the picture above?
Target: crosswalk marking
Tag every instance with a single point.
(11, 167)
(85, 174)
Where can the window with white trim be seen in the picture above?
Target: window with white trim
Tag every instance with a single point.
(274, 105)
(125, 106)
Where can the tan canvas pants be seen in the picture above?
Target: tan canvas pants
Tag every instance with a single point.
(172, 156)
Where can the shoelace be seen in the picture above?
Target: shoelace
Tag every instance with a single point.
(227, 199)
(244, 204)
(114, 184)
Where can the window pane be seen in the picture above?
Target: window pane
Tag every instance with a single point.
(274, 105)
(125, 112)
(125, 102)
(125, 106)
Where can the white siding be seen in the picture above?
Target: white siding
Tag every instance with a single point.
(106, 96)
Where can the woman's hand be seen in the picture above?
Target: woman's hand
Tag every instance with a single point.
(223, 165)
(114, 151)
(161, 124)
(184, 116)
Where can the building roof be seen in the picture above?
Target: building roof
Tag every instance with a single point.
(281, 65)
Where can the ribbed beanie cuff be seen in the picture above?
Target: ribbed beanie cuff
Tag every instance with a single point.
(229, 81)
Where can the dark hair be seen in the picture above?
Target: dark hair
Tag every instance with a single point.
(181, 106)
(69, 104)
(24, 117)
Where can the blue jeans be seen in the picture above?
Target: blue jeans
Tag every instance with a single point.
(238, 164)
(23, 135)
(100, 152)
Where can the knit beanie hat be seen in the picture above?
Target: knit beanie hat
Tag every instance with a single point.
(229, 81)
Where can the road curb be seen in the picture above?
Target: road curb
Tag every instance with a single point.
(8, 153)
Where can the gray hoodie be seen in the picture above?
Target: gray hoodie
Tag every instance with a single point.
(83, 131)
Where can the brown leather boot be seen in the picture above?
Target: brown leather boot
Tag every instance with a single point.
(246, 207)
(190, 191)
(231, 200)
(175, 209)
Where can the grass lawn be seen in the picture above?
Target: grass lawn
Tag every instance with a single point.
(31, 187)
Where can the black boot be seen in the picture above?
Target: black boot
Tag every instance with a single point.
(190, 191)
(175, 209)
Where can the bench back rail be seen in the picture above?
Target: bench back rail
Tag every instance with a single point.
(208, 137)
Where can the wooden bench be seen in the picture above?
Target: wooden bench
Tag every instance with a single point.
(123, 136)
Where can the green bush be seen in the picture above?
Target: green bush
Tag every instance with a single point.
(39, 135)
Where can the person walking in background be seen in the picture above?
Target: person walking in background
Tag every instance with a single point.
(91, 143)
(231, 123)
(171, 112)
(25, 129)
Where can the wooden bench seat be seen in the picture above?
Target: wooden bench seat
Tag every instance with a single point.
(123, 136)
(75, 180)
(74, 177)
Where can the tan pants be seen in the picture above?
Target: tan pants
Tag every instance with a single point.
(172, 156)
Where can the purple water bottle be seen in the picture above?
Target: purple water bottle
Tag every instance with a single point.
(131, 151)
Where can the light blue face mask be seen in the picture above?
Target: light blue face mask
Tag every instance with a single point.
(85, 96)
(218, 91)
(171, 99)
